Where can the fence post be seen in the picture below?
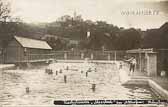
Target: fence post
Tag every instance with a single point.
(140, 62)
(65, 79)
(65, 55)
(91, 56)
(82, 55)
(115, 56)
(108, 56)
(54, 55)
(29, 57)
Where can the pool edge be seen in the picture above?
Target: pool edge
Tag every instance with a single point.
(160, 90)
(152, 84)
(6, 66)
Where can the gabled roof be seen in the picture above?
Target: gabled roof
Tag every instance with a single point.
(32, 43)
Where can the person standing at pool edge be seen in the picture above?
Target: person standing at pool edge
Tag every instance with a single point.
(133, 63)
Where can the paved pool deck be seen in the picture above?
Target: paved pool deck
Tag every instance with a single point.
(162, 81)
(160, 84)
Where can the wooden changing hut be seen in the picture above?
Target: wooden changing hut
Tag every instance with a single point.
(22, 49)
(147, 60)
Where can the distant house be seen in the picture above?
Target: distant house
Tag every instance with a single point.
(22, 49)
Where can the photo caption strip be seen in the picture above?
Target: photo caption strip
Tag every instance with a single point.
(111, 102)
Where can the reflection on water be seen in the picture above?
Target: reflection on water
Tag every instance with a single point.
(45, 88)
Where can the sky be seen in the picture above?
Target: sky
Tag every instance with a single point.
(112, 11)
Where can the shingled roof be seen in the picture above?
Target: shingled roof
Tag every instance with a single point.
(32, 43)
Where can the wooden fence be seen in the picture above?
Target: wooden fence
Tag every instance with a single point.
(72, 55)
(78, 55)
(94, 55)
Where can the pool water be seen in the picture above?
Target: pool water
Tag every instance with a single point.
(44, 88)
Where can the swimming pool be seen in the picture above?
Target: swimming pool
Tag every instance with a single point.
(45, 88)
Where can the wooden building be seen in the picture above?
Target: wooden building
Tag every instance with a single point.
(146, 60)
(22, 49)
(1, 55)
(162, 60)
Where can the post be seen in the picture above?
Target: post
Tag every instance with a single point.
(115, 56)
(147, 64)
(56, 73)
(51, 71)
(140, 62)
(67, 68)
(82, 55)
(55, 56)
(95, 70)
(108, 57)
(27, 90)
(65, 79)
(86, 74)
(65, 55)
(46, 70)
(93, 87)
(92, 56)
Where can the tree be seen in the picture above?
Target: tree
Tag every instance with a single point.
(55, 43)
(129, 39)
(4, 15)
(4, 10)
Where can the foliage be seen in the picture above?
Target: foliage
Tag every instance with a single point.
(156, 38)
(4, 10)
(103, 36)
